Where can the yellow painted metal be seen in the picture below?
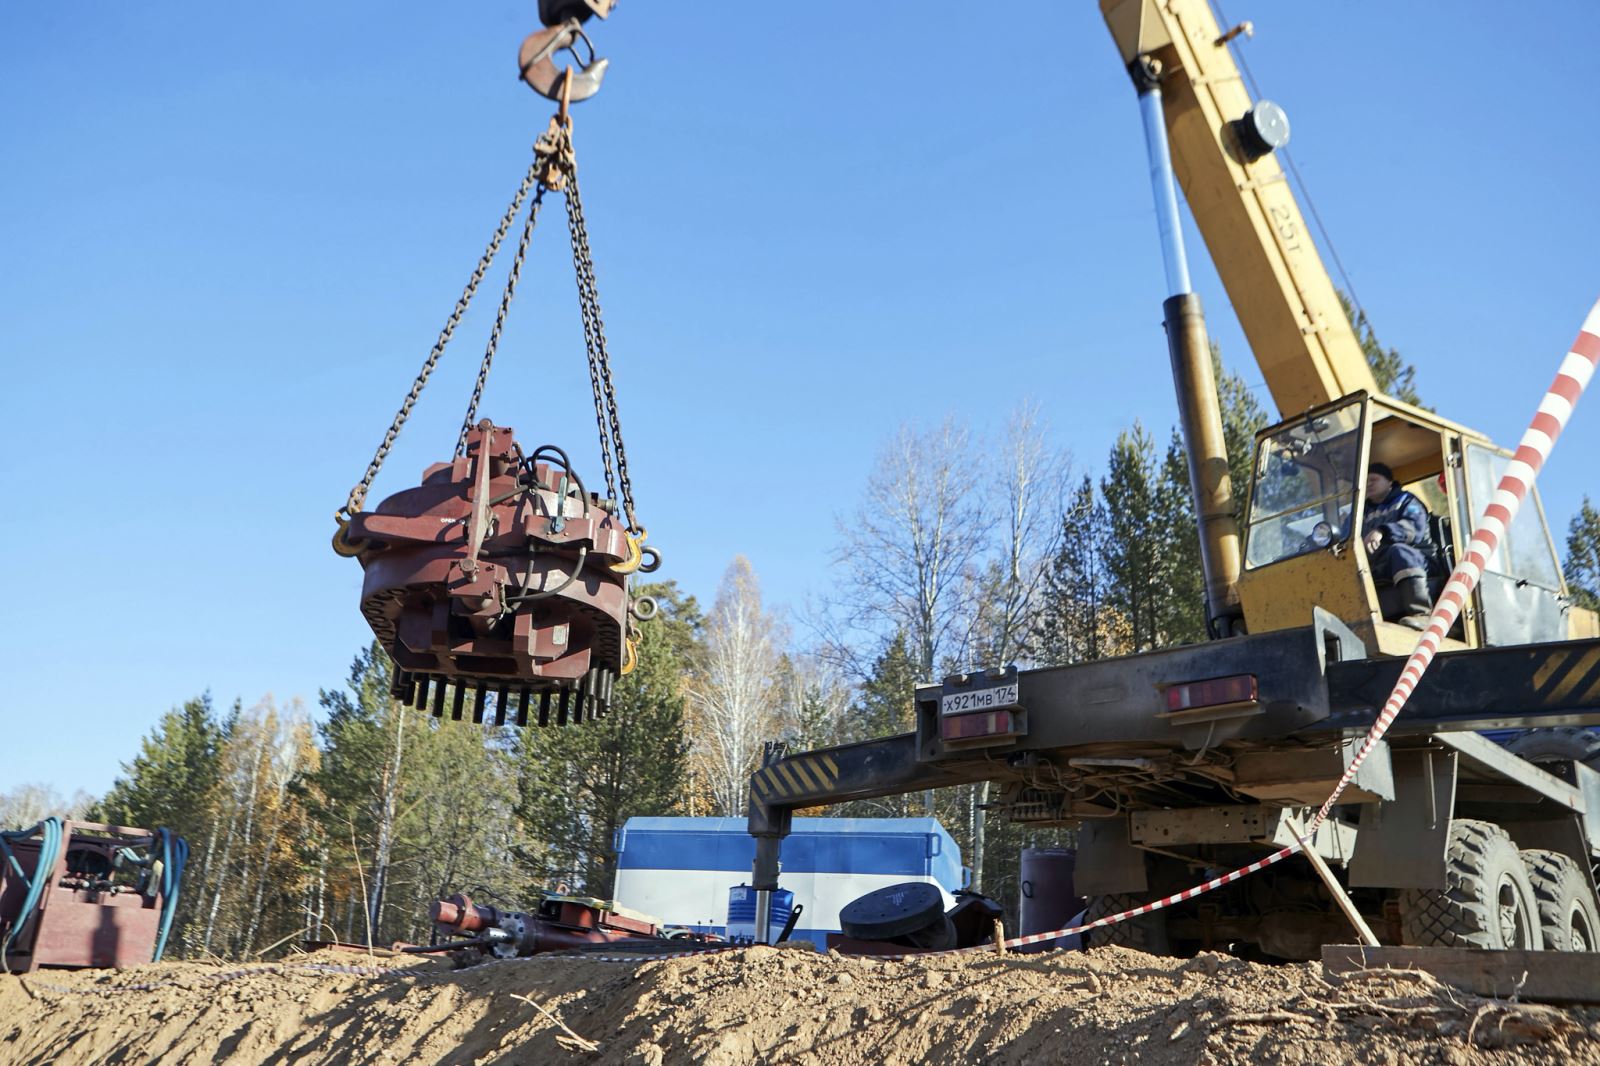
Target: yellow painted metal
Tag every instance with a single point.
(1245, 210)
(1582, 624)
(1291, 315)
(1280, 596)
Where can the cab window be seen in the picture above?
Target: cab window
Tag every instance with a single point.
(1525, 551)
(1305, 482)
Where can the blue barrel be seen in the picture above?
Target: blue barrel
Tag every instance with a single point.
(742, 912)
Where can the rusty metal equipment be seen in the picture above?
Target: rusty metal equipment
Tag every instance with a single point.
(502, 574)
(560, 923)
(76, 894)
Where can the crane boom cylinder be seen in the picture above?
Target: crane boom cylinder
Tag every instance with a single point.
(1193, 379)
(1210, 484)
(1163, 186)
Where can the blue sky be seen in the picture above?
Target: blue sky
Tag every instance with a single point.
(229, 234)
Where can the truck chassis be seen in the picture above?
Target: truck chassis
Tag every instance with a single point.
(1161, 796)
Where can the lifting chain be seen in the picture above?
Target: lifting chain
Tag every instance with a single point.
(358, 495)
(554, 168)
(594, 334)
(500, 317)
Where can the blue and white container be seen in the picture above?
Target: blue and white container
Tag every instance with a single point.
(681, 870)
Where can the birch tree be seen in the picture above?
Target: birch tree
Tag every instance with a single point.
(813, 698)
(28, 804)
(917, 533)
(1025, 540)
(734, 697)
(288, 753)
(1010, 589)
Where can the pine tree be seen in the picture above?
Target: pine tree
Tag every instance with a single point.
(1132, 538)
(1073, 624)
(885, 707)
(887, 698)
(173, 782)
(1242, 418)
(1181, 610)
(455, 828)
(812, 700)
(1583, 557)
(169, 782)
(576, 787)
(357, 789)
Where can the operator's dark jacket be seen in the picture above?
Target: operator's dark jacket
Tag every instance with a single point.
(1403, 521)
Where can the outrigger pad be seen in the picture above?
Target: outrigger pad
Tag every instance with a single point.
(494, 576)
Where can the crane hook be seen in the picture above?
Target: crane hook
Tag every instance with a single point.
(537, 65)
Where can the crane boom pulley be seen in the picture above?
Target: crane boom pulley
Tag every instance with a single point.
(501, 574)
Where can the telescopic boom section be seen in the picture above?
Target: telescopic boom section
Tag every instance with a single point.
(1221, 147)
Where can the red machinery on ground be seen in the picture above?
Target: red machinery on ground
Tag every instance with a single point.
(86, 894)
(561, 923)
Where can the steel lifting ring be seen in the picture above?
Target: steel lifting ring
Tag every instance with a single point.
(645, 608)
(537, 65)
(342, 544)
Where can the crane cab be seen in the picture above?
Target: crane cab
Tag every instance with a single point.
(1302, 528)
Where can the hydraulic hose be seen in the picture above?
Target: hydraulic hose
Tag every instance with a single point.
(174, 857)
(50, 836)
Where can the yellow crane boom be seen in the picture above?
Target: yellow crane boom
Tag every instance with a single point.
(1243, 205)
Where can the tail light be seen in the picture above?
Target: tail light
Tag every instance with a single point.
(1238, 690)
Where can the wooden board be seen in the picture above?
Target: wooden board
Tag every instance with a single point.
(1540, 976)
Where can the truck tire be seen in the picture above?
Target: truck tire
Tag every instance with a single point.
(1557, 744)
(1564, 894)
(1147, 932)
(1488, 900)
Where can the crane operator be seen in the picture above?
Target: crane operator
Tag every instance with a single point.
(1394, 528)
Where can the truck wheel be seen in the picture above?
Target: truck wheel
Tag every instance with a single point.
(1147, 932)
(1557, 744)
(1487, 902)
(1565, 900)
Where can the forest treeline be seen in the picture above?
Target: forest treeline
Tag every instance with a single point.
(346, 823)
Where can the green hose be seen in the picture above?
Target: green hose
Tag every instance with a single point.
(174, 857)
(50, 833)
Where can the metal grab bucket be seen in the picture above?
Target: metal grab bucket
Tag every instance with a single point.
(498, 576)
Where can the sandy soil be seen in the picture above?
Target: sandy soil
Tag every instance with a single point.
(768, 1005)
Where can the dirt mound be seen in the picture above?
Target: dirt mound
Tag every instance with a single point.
(770, 1005)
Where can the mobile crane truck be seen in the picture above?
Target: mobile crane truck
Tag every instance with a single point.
(1183, 761)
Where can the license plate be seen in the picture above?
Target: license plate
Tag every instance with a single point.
(979, 699)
